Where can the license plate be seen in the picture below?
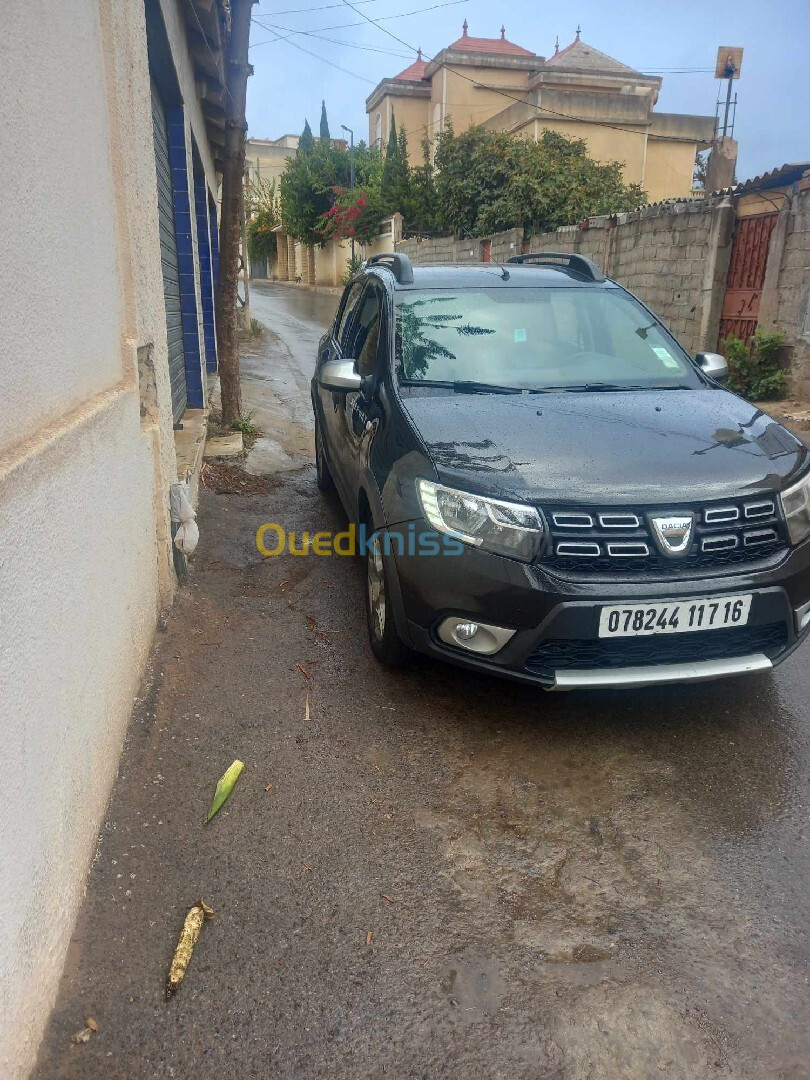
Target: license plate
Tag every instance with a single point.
(681, 617)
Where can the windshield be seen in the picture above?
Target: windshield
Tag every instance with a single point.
(535, 339)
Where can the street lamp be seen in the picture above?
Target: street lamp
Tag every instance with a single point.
(351, 168)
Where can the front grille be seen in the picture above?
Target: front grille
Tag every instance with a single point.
(724, 534)
(561, 654)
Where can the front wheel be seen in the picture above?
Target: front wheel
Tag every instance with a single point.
(385, 642)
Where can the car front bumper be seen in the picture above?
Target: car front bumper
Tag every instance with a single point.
(555, 619)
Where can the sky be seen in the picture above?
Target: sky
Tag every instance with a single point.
(772, 124)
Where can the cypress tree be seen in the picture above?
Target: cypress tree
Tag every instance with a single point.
(325, 136)
(307, 140)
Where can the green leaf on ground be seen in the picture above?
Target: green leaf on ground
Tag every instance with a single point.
(225, 787)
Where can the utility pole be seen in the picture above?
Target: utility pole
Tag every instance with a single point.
(723, 158)
(351, 168)
(237, 71)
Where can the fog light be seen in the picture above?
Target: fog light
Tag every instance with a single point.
(475, 637)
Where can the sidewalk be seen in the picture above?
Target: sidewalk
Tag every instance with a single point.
(225, 684)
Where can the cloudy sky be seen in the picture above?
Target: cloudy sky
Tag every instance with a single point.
(306, 50)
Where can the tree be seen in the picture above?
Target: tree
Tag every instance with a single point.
(233, 170)
(307, 141)
(262, 210)
(325, 136)
(395, 173)
(701, 170)
(489, 181)
(422, 213)
(308, 188)
(356, 214)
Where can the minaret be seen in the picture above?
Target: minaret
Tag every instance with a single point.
(464, 28)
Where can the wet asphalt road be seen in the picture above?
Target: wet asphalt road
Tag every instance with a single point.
(582, 887)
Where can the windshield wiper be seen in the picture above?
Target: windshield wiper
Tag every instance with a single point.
(607, 387)
(470, 386)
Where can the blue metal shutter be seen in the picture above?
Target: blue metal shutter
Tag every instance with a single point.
(168, 258)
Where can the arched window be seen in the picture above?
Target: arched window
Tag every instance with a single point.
(378, 131)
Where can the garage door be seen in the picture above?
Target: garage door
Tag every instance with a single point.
(168, 258)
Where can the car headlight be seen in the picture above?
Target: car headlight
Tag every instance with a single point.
(504, 528)
(796, 507)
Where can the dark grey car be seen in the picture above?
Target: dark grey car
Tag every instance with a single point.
(550, 488)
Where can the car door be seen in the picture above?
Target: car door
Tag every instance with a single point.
(333, 405)
(359, 412)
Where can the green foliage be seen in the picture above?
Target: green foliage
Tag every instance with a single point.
(325, 136)
(421, 211)
(262, 212)
(307, 140)
(356, 213)
(318, 177)
(490, 181)
(754, 369)
(395, 172)
(352, 266)
(308, 189)
(245, 423)
(256, 328)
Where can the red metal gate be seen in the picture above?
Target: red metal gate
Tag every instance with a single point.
(746, 276)
(486, 250)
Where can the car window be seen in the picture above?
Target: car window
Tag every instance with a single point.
(367, 330)
(344, 321)
(531, 338)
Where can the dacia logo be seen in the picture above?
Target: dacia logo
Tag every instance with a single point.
(673, 533)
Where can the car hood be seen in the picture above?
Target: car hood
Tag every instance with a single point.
(637, 446)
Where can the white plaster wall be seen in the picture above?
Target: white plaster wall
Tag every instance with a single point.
(78, 587)
(58, 251)
(85, 558)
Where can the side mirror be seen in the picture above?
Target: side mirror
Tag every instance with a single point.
(713, 364)
(340, 376)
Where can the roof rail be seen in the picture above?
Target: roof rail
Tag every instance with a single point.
(578, 263)
(397, 262)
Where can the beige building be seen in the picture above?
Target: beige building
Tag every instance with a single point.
(106, 323)
(578, 91)
(266, 159)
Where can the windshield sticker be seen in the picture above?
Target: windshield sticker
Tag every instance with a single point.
(664, 354)
(520, 337)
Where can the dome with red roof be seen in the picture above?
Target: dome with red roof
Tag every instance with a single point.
(414, 73)
(496, 46)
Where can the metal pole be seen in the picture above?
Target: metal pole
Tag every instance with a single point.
(351, 168)
(728, 106)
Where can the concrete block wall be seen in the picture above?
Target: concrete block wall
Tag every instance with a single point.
(792, 308)
(661, 254)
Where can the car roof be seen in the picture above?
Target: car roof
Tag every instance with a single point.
(489, 275)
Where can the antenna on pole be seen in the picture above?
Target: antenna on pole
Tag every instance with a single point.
(723, 157)
(729, 65)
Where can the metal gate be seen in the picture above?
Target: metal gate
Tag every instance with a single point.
(746, 276)
(168, 258)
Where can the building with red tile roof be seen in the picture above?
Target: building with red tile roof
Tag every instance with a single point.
(578, 91)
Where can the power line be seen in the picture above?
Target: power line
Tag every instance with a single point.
(323, 59)
(511, 97)
(322, 7)
(383, 18)
(273, 28)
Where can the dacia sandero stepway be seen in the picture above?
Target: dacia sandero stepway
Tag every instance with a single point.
(547, 487)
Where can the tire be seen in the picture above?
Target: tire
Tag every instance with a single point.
(323, 475)
(386, 644)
